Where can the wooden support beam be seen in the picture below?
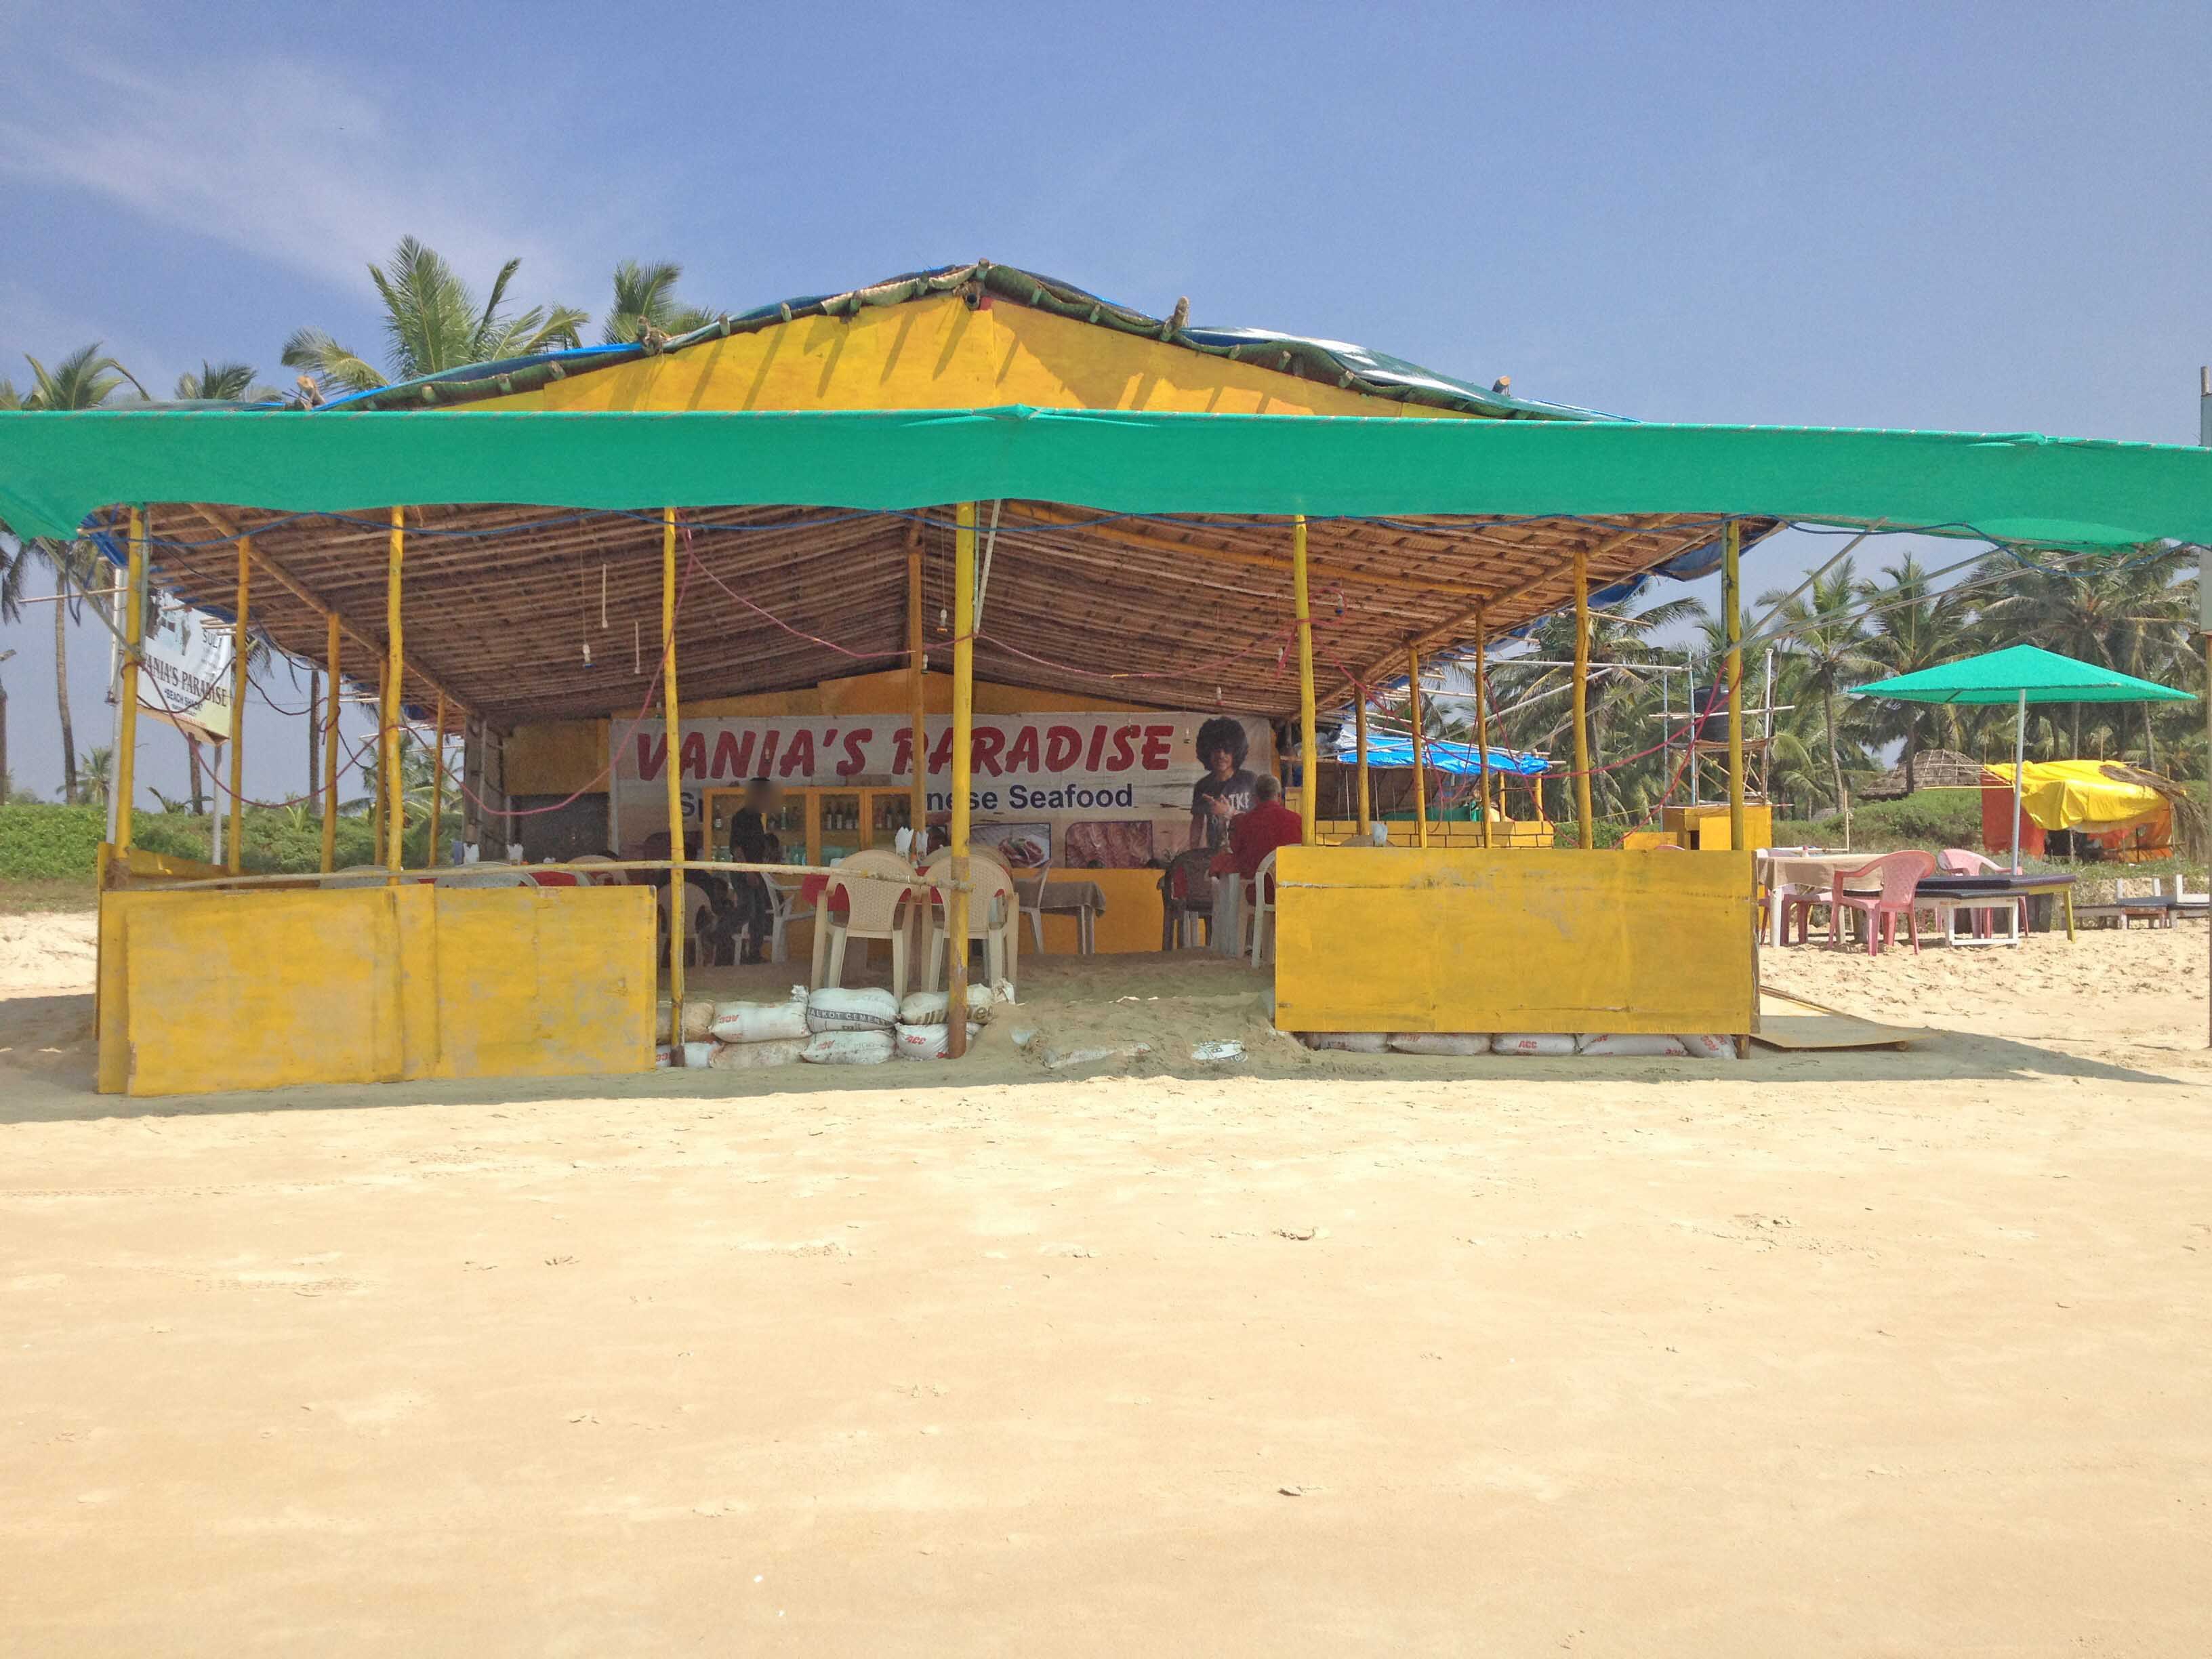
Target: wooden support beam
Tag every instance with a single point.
(331, 648)
(1309, 727)
(1585, 825)
(672, 769)
(235, 860)
(963, 741)
(395, 675)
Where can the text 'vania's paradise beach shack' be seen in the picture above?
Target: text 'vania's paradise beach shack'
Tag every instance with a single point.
(974, 514)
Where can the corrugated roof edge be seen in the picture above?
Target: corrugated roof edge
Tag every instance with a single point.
(1330, 362)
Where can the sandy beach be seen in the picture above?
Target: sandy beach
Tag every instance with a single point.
(1887, 1352)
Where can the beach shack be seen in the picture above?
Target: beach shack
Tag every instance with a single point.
(972, 548)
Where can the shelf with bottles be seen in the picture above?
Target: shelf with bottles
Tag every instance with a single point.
(817, 826)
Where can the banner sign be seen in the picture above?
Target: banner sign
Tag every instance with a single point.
(1090, 791)
(185, 671)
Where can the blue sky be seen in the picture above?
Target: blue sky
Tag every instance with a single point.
(1976, 217)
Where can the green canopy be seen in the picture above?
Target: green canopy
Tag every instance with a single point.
(55, 468)
(2018, 673)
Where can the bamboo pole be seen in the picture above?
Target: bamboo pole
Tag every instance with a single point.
(438, 779)
(1583, 811)
(331, 748)
(1421, 749)
(1482, 716)
(395, 688)
(134, 652)
(917, 693)
(963, 730)
(673, 768)
(1359, 750)
(1732, 618)
(234, 862)
(1309, 725)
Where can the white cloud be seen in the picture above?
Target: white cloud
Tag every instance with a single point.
(324, 181)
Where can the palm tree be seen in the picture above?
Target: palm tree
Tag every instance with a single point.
(1915, 627)
(224, 383)
(434, 323)
(86, 378)
(644, 298)
(1824, 638)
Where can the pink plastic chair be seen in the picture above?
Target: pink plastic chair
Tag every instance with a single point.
(1958, 861)
(1899, 874)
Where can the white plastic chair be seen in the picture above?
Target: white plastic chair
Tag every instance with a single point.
(699, 916)
(1035, 912)
(358, 875)
(1262, 908)
(873, 909)
(599, 877)
(994, 916)
(783, 910)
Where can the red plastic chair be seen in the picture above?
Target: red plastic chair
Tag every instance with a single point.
(1899, 874)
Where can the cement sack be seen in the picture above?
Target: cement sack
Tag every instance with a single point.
(847, 1047)
(751, 1056)
(760, 1022)
(927, 1007)
(1627, 1044)
(698, 1018)
(1544, 1044)
(1441, 1042)
(1351, 1042)
(835, 1009)
(1708, 1047)
(927, 1042)
(695, 1056)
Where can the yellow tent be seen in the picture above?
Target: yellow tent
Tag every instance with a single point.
(2084, 795)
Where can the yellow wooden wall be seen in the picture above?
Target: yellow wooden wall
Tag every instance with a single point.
(211, 991)
(936, 353)
(1525, 940)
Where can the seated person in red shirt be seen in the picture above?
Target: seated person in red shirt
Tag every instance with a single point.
(1254, 834)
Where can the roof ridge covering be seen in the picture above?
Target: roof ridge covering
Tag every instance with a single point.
(1333, 362)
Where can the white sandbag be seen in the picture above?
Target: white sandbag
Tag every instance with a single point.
(697, 1056)
(662, 1060)
(927, 1042)
(1622, 1045)
(1544, 1044)
(1221, 1051)
(833, 1008)
(847, 1047)
(750, 1056)
(927, 1007)
(1708, 1046)
(759, 1022)
(1441, 1042)
(698, 1018)
(1351, 1042)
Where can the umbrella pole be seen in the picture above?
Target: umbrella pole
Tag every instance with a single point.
(2019, 766)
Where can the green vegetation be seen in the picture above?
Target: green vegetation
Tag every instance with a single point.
(44, 843)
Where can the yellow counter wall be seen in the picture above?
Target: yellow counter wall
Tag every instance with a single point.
(208, 991)
(1525, 940)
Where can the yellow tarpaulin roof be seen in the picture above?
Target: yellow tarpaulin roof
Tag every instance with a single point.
(2077, 793)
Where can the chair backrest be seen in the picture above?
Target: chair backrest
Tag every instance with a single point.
(605, 879)
(1958, 861)
(1898, 872)
(1188, 881)
(696, 905)
(558, 878)
(873, 907)
(991, 895)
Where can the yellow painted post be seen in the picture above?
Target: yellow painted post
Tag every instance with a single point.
(1359, 751)
(918, 669)
(671, 713)
(1732, 617)
(963, 735)
(1421, 749)
(1482, 714)
(395, 670)
(235, 860)
(437, 779)
(331, 748)
(134, 652)
(1582, 810)
(1309, 727)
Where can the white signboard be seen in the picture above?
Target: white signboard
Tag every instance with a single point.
(185, 676)
(1087, 790)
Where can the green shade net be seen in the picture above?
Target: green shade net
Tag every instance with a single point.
(2000, 676)
(57, 468)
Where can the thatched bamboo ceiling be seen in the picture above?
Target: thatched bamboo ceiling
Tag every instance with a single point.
(502, 602)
